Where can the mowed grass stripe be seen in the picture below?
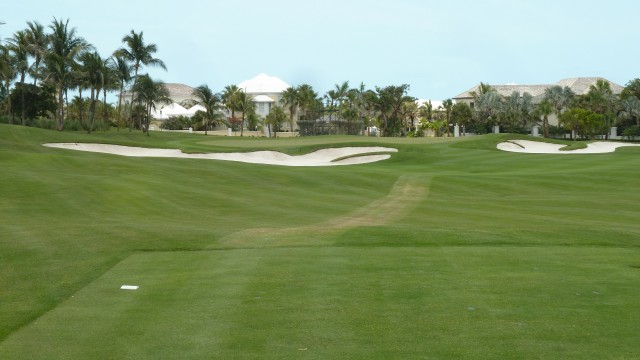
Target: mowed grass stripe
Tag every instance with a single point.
(446, 302)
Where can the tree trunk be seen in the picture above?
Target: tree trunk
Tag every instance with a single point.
(9, 110)
(92, 111)
(23, 105)
(148, 121)
(60, 111)
(81, 110)
(133, 93)
(104, 106)
(120, 106)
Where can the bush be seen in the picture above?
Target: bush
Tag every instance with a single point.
(631, 132)
(176, 123)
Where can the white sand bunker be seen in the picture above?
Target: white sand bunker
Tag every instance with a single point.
(537, 147)
(324, 157)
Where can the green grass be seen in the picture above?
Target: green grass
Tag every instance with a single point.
(450, 249)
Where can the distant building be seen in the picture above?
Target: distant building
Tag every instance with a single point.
(579, 85)
(265, 90)
(178, 93)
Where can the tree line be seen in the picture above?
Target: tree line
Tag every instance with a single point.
(58, 60)
(586, 116)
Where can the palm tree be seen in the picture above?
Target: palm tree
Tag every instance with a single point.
(19, 46)
(601, 100)
(230, 98)
(630, 109)
(7, 75)
(122, 73)
(306, 97)
(64, 48)
(482, 89)
(488, 106)
(110, 84)
(410, 111)
(37, 47)
(212, 104)
(247, 106)
(448, 107)
(138, 53)
(291, 99)
(559, 97)
(425, 111)
(274, 119)
(150, 92)
(341, 90)
(94, 70)
(543, 110)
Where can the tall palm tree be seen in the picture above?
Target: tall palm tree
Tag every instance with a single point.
(94, 70)
(212, 103)
(64, 48)
(122, 73)
(37, 47)
(290, 98)
(110, 84)
(138, 53)
(150, 92)
(79, 80)
(19, 46)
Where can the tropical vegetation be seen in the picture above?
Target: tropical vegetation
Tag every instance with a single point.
(41, 65)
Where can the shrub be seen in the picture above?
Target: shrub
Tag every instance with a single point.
(176, 123)
(631, 132)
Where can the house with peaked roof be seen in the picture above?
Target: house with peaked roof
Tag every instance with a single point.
(265, 90)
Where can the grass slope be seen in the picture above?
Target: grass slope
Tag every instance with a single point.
(449, 249)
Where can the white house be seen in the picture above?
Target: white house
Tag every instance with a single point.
(265, 90)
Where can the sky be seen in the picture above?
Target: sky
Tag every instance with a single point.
(440, 48)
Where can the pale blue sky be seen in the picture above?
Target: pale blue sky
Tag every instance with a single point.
(440, 48)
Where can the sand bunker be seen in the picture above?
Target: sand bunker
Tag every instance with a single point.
(537, 147)
(324, 157)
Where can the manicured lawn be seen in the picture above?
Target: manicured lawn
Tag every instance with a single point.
(450, 249)
(342, 302)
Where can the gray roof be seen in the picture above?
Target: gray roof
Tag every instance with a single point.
(181, 90)
(175, 91)
(580, 86)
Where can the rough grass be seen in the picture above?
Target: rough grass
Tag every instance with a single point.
(450, 249)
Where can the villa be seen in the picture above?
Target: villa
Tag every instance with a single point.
(265, 90)
(579, 85)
